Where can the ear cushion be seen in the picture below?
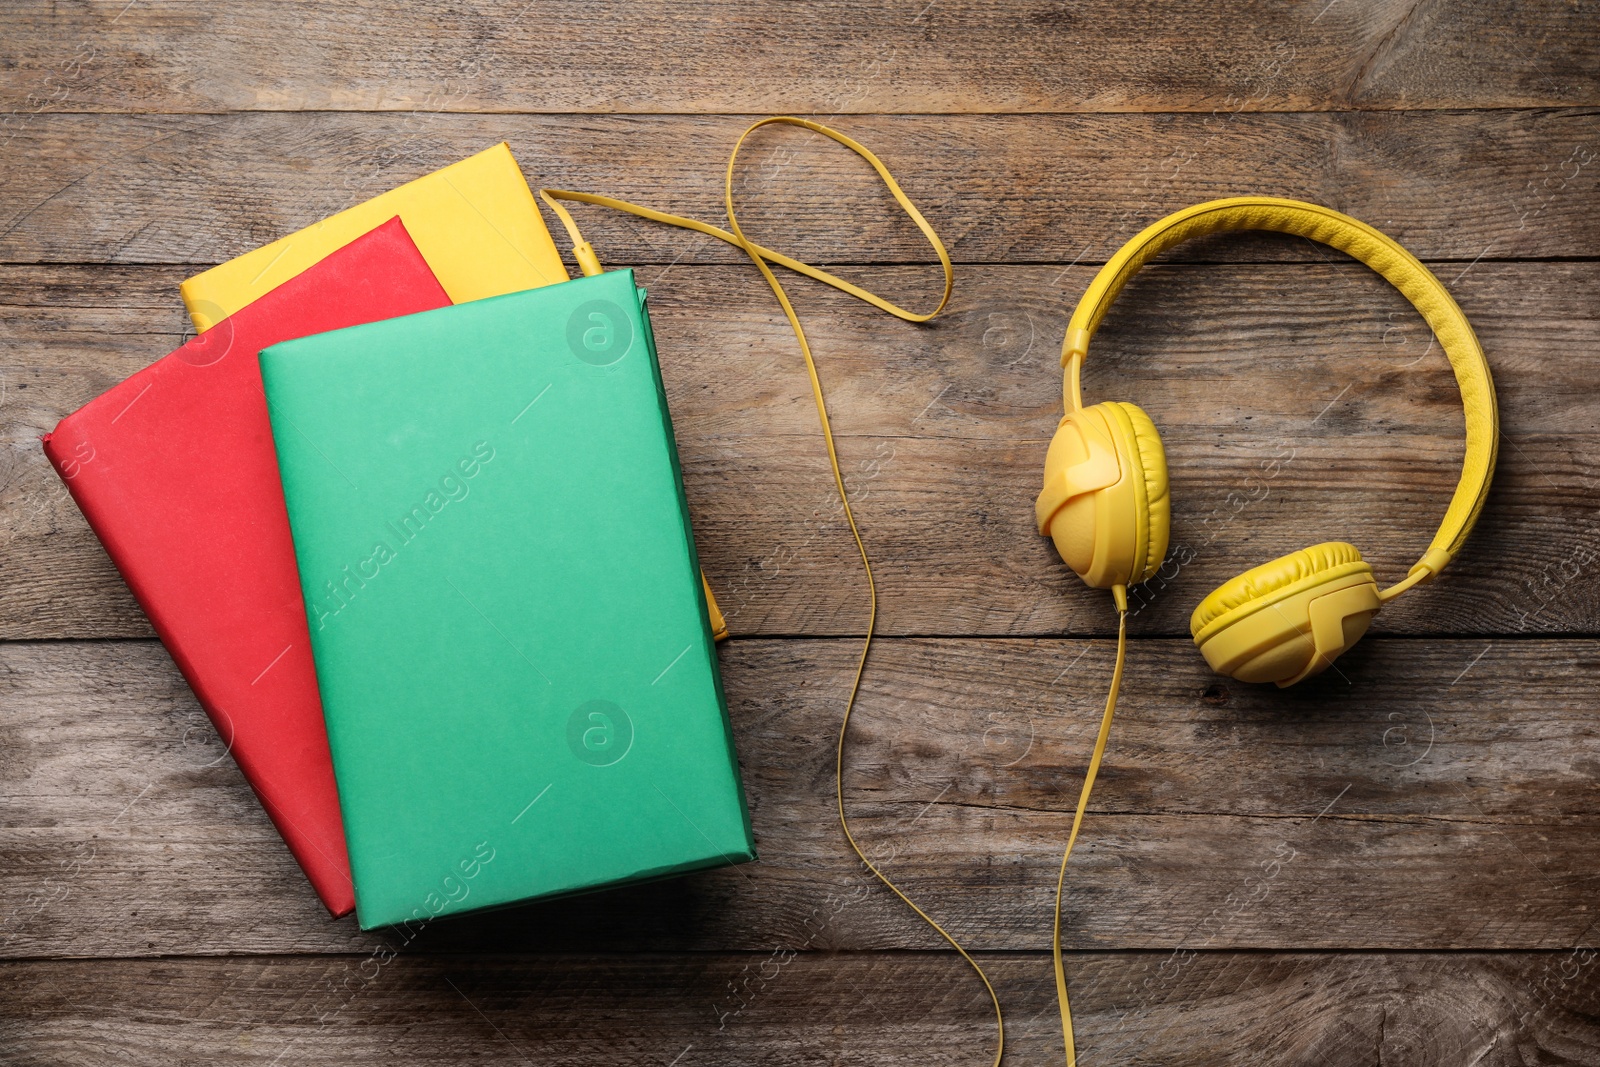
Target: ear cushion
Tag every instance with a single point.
(1153, 492)
(1260, 582)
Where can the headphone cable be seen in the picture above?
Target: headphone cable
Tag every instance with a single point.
(760, 256)
(1120, 594)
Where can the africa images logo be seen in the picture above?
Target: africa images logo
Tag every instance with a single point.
(599, 733)
(453, 485)
(599, 333)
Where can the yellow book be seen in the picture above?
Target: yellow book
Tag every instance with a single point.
(475, 222)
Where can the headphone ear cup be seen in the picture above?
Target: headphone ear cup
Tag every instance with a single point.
(1289, 619)
(1105, 499)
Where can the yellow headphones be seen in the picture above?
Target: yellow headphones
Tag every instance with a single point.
(1105, 501)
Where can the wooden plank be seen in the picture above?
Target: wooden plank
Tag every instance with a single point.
(1428, 794)
(1006, 188)
(1421, 1009)
(956, 55)
(1350, 430)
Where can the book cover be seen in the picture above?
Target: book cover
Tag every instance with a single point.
(175, 470)
(475, 223)
(517, 671)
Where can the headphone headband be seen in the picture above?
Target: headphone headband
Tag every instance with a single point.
(1385, 256)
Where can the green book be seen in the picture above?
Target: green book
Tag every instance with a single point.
(509, 627)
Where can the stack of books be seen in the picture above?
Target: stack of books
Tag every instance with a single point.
(408, 515)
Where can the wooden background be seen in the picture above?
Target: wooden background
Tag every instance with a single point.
(1394, 864)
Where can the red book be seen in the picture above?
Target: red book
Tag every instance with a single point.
(176, 473)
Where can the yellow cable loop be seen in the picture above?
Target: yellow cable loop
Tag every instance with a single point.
(1077, 821)
(761, 256)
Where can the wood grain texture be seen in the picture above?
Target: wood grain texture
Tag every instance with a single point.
(1007, 188)
(815, 57)
(1330, 417)
(1139, 1009)
(1429, 794)
(1390, 865)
